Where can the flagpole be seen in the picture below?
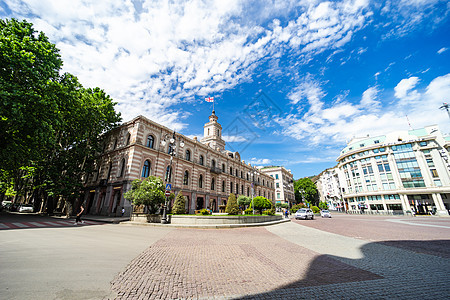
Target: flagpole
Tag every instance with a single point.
(214, 101)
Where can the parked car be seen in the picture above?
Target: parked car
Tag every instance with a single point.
(304, 213)
(26, 208)
(325, 213)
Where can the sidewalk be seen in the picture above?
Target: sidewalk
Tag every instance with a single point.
(104, 219)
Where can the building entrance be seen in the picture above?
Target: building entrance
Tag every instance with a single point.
(422, 204)
(199, 203)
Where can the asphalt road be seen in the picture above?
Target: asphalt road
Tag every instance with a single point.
(345, 257)
(70, 262)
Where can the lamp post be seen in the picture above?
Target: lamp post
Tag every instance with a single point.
(172, 152)
(445, 106)
(253, 189)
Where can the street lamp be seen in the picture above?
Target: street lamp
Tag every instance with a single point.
(172, 152)
(445, 106)
(253, 189)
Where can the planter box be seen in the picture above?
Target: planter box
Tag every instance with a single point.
(217, 220)
(147, 218)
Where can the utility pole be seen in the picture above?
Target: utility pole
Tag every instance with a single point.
(445, 106)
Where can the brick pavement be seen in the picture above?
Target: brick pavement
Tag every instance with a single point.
(191, 263)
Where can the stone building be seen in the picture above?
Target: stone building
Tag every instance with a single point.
(203, 170)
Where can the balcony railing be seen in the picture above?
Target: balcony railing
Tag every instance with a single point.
(216, 170)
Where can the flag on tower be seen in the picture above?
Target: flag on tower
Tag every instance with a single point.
(209, 99)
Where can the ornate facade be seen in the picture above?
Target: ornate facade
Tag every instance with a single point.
(204, 171)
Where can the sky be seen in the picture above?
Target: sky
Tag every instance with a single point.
(293, 81)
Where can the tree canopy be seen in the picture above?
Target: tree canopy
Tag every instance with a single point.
(232, 207)
(305, 190)
(260, 203)
(52, 125)
(148, 192)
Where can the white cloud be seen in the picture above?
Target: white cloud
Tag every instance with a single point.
(233, 138)
(342, 121)
(442, 50)
(404, 89)
(260, 161)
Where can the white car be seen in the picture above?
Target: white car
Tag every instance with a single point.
(304, 213)
(325, 213)
(26, 208)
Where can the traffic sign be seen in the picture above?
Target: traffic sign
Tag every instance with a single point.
(167, 193)
(168, 187)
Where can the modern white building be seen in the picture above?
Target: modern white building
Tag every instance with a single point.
(398, 173)
(284, 183)
(329, 188)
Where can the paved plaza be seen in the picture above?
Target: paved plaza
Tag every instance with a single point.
(345, 257)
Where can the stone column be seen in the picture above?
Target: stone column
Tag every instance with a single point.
(437, 199)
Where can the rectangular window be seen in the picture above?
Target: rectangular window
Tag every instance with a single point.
(434, 173)
(278, 196)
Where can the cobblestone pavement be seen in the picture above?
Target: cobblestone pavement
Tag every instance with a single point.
(285, 261)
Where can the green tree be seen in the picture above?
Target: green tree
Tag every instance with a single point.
(232, 207)
(323, 205)
(148, 192)
(305, 190)
(53, 126)
(179, 207)
(244, 201)
(260, 203)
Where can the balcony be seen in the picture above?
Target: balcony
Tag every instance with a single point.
(216, 170)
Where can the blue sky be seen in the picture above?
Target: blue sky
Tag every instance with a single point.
(293, 80)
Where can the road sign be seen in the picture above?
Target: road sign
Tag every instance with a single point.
(167, 193)
(168, 187)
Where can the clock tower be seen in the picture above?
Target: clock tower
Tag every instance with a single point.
(212, 133)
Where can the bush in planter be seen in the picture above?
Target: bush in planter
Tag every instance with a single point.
(148, 192)
(232, 206)
(315, 209)
(244, 201)
(248, 211)
(323, 205)
(269, 212)
(297, 207)
(260, 203)
(204, 212)
(179, 206)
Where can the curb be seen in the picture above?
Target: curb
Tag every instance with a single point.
(212, 226)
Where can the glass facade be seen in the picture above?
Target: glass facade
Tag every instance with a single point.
(408, 167)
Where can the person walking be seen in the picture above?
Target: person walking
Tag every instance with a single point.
(286, 213)
(79, 214)
(123, 211)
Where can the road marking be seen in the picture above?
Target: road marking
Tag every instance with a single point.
(3, 225)
(37, 224)
(416, 224)
(21, 225)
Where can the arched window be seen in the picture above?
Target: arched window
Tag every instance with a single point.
(247, 176)
(109, 170)
(170, 150)
(242, 189)
(263, 182)
(223, 186)
(128, 139)
(115, 144)
(213, 163)
(122, 168)
(231, 187)
(237, 188)
(223, 168)
(200, 181)
(201, 160)
(236, 173)
(186, 178)
(188, 155)
(258, 179)
(248, 192)
(146, 169)
(264, 194)
(168, 177)
(150, 141)
(231, 171)
(213, 182)
(242, 175)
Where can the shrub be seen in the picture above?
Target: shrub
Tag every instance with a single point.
(297, 207)
(323, 205)
(232, 206)
(249, 211)
(260, 203)
(204, 212)
(315, 209)
(269, 212)
(179, 207)
(243, 201)
(284, 205)
(148, 192)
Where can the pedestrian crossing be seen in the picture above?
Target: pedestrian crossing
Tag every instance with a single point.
(45, 224)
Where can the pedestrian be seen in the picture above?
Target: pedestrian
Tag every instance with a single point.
(286, 213)
(123, 211)
(80, 212)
